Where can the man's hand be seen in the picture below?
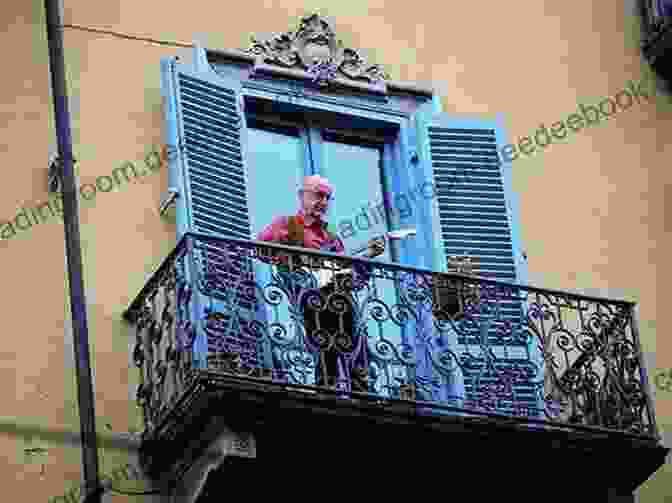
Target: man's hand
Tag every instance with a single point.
(376, 246)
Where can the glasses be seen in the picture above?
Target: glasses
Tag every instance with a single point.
(323, 196)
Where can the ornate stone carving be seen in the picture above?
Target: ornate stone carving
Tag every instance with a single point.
(314, 48)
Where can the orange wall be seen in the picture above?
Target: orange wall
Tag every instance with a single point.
(592, 207)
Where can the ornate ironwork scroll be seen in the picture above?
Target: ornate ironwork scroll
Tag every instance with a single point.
(391, 332)
(164, 342)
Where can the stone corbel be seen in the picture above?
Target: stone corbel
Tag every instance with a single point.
(227, 444)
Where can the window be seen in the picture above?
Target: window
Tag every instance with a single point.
(283, 148)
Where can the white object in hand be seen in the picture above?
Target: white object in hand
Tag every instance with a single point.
(392, 236)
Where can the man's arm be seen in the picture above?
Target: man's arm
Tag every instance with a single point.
(278, 232)
(273, 232)
(361, 272)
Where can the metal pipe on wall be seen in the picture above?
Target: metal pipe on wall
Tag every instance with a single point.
(87, 417)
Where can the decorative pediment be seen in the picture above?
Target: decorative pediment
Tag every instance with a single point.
(314, 48)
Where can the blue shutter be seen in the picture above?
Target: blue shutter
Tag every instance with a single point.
(473, 206)
(205, 119)
(209, 129)
(472, 212)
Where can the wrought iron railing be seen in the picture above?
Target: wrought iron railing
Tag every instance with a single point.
(449, 343)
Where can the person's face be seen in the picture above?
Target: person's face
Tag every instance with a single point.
(315, 202)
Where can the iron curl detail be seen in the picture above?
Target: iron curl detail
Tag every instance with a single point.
(223, 305)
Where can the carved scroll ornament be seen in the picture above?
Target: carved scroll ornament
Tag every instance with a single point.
(314, 48)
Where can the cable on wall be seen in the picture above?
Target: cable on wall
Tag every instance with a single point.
(126, 36)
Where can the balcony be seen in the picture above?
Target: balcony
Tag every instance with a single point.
(429, 377)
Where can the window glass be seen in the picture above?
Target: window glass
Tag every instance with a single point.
(355, 212)
(275, 167)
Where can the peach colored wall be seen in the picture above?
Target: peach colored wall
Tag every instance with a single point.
(593, 206)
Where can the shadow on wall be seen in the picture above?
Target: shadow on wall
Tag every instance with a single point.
(121, 441)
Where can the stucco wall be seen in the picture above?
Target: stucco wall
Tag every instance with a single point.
(592, 207)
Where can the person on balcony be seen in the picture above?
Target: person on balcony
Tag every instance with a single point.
(343, 356)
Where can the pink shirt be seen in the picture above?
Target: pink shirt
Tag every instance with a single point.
(314, 236)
